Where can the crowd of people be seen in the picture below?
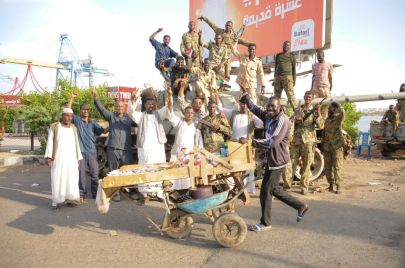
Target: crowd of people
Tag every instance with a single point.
(199, 119)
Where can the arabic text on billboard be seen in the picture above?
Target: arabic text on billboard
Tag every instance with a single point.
(268, 23)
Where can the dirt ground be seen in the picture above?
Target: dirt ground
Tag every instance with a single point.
(363, 227)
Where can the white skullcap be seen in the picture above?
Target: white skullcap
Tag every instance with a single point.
(67, 111)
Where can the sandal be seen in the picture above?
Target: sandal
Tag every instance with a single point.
(301, 215)
(259, 227)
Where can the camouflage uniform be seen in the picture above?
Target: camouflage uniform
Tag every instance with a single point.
(204, 83)
(188, 46)
(333, 144)
(217, 54)
(401, 110)
(390, 117)
(228, 39)
(212, 140)
(303, 142)
(284, 77)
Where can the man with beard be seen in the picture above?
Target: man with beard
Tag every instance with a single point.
(62, 155)
(163, 53)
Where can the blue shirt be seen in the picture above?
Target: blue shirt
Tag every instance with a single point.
(162, 51)
(86, 133)
(119, 136)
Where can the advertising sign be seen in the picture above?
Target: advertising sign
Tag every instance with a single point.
(268, 22)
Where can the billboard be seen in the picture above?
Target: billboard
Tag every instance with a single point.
(268, 22)
(10, 101)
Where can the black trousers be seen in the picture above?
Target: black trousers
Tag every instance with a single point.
(117, 158)
(271, 186)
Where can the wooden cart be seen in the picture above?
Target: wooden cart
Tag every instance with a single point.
(205, 170)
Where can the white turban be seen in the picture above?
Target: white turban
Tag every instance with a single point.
(67, 111)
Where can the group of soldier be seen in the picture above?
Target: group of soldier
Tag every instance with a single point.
(192, 87)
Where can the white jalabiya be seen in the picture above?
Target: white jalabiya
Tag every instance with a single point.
(65, 168)
(186, 137)
(239, 130)
(152, 151)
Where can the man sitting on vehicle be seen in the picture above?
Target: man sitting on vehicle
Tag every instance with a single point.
(390, 117)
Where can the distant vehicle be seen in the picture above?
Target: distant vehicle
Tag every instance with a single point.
(385, 143)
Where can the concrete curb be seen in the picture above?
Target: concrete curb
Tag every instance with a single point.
(21, 160)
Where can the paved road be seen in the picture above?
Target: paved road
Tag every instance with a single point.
(20, 143)
(358, 229)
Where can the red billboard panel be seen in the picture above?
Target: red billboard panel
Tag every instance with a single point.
(268, 22)
(10, 101)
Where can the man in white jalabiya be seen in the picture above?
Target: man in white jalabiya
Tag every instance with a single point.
(187, 136)
(151, 136)
(243, 123)
(62, 156)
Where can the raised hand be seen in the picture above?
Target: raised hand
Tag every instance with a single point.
(94, 93)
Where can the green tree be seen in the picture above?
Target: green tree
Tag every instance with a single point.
(41, 109)
(352, 116)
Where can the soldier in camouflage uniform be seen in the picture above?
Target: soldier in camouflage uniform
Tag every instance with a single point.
(189, 46)
(333, 146)
(288, 175)
(203, 81)
(390, 118)
(218, 55)
(285, 75)
(229, 39)
(215, 134)
(306, 119)
(401, 106)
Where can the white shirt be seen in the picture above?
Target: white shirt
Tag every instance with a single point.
(240, 122)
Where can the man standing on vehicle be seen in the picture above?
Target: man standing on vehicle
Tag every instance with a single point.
(250, 71)
(322, 80)
(229, 39)
(321, 76)
(275, 142)
(333, 146)
(87, 129)
(285, 76)
(218, 55)
(190, 47)
(306, 119)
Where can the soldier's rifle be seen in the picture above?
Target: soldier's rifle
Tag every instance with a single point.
(205, 122)
(313, 110)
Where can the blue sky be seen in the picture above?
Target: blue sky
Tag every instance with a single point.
(367, 39)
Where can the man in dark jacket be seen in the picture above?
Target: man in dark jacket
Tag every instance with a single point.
(275, 142)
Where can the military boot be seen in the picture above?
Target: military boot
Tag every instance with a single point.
(330, 189)
(338, 189)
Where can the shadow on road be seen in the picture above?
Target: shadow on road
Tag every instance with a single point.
(376, 226)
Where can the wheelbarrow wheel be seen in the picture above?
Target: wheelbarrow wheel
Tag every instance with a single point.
(229, 230)
(180, 224)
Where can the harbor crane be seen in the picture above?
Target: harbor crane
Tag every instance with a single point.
(77, 67)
